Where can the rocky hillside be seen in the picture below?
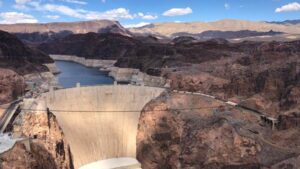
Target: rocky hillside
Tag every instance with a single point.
(48, 148)
(38, 33)
(12, 85)
(249, 72)
(206, 35)
(168, 29)
(210, 135)
(19, 57)
(262, 75)
(91, 45)
(36, 38)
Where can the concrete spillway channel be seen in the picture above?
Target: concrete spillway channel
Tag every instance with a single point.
(100, 122)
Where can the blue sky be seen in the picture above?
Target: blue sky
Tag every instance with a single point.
(138, 12)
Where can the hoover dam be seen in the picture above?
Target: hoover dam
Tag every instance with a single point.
(223, 98)
(99, 122)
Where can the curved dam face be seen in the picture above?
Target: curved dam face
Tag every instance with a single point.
(100, 122)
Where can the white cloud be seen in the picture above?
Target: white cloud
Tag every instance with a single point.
(65, 10)
(53, 16)
(136, 25)
(22, 1)
(147, 17)
(295, 6)
(178, 11)
(226, 6)
(15, 17)
(21, 4)
(76, 2)
(113, 14)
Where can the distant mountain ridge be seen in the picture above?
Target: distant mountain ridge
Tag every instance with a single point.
(226, 34)
(170, 28)
(292, 22)
(98, 26)
(33, 34)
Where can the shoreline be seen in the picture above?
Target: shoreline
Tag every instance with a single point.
(121, 75)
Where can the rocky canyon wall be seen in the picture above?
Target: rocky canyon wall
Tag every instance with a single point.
(46, 146)
(11, 85)
(199, 132)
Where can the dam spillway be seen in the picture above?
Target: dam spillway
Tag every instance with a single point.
(100, 122)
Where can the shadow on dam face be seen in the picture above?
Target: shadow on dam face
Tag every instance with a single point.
(95, 136)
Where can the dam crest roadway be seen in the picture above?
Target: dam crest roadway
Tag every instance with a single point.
(106, 128)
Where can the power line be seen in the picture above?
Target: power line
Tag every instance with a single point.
(119, 111)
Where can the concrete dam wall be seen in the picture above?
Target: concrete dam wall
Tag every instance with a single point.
(100, 122)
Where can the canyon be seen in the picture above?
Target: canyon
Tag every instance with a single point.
(250, 73)
(186, 103)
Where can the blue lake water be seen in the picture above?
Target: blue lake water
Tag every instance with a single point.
(72, 73)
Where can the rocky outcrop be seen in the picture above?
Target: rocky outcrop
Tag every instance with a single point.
(292, 163)
(19, 157)
(19, 57)
(11, 85)
(196, 82)
(37, 83)
(49, 149)
(288, 121)
(198, 132)
(185, 139)
(16, 62)
(52, 68)
(28, 154)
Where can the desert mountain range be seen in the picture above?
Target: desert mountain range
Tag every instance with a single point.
(169, 29)
(99, 26)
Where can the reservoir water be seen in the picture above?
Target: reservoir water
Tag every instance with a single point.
(72, 73)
